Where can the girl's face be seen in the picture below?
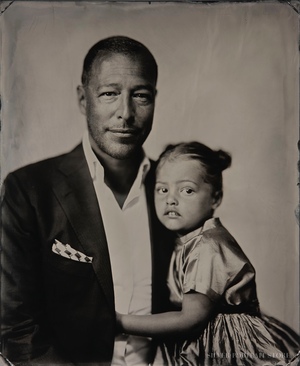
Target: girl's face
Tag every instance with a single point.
(183, 200)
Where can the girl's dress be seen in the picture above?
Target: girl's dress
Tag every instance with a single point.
(210, 261)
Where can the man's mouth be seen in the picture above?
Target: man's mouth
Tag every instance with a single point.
(124, 132)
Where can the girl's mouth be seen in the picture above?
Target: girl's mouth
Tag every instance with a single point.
(172, 214)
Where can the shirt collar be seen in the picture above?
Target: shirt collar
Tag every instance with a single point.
(97, 171)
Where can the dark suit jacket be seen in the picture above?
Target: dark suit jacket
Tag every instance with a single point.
(54, 309)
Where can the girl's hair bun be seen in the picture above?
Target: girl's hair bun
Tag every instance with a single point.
(223, 159)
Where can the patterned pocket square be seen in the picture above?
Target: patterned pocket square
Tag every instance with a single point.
(65, 250)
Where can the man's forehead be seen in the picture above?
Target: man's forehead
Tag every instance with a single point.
(118, 60)
(113, 67)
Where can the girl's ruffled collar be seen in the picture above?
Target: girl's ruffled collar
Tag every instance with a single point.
(209, 224)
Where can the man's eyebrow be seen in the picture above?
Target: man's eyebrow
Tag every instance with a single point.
(144, 86)
(104, 85)
(148, 87)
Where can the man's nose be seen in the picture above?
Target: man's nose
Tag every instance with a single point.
(126, 108)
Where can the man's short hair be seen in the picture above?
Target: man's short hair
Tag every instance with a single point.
(118, 45)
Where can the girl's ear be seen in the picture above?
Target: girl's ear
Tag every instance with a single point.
(217, 199)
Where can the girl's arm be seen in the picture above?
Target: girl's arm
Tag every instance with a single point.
(196, 311)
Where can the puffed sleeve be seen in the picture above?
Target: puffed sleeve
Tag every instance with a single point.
(218, 268)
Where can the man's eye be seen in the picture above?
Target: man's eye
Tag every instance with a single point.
(108, 95)
(143, 97)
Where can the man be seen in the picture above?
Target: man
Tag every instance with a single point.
(80, 238)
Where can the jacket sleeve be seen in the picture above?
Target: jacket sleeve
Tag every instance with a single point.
(24, 338)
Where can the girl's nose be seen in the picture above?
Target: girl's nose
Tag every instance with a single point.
(171, 199)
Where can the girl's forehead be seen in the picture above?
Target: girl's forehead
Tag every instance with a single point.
(181, 160)
(181, 167)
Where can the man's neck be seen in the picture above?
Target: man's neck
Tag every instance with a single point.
(119, 175)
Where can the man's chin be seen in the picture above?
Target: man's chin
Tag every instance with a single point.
(122, 152)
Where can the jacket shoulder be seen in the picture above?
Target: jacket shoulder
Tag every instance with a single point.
(45, 164)
(41, 172)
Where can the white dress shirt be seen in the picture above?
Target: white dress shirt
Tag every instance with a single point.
(128, 237)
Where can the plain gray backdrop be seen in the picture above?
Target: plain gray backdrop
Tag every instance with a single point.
(228, 77)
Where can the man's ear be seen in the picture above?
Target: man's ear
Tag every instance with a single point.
(217, 199)
(81, 99)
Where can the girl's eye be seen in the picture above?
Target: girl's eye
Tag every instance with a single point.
(187, 191)
(162, 190)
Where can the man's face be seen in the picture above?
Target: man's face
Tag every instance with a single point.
(119, 105)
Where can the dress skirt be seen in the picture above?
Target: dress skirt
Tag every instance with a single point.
(209, 261)
(228, 340)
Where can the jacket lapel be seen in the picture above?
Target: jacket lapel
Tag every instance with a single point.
(74, 189)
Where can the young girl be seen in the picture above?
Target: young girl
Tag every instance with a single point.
(211, 280)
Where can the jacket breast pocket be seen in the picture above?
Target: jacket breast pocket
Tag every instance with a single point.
(62, 266)
(69, 287)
